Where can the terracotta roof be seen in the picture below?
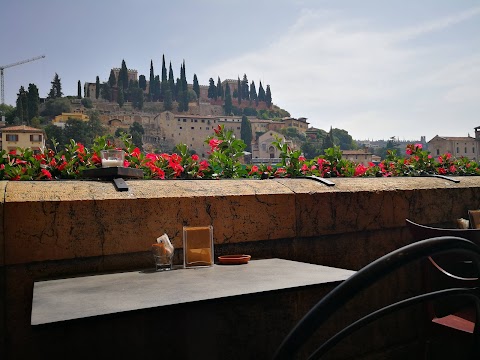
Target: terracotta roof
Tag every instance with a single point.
(21, 128)
(455, 138)
(355, 152)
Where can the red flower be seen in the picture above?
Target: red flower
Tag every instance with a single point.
(442, 171)
(452, 169)
(218, 130)
(96, 159)
(253, 170)
(126, 163)
(81, 148)
(360, 170)
(46, 173)
(304, 168)
(203, 165)
(301, 158)
(195, 157)
(13, 152)
(136, 153)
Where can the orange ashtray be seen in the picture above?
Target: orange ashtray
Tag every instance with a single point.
(233, 259)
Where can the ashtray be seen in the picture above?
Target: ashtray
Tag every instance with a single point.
(233, 259)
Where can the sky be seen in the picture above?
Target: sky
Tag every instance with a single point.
(377, 69)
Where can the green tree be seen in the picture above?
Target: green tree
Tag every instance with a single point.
(79, 90)
(268, 97)
(120, 97)
(106, 92)
(261, 93)
(8, 112)
(54, 107)
(164, 69)
(54, 133)
(87, 102)
(136, 131)
(151, 89)
(22, 107)
(253, 93)
(168, 101)
(94, 126)
(56, 89)
(246, 133)
(196, 86)
(220, 92)
(76, 130)
(123, 76)
(328, 142)
(97, 87)
(245, 90)
(343, 139)
(212, 89)
(142, 82)
(88, 91)
(112, 80)
(171, 82)
(33, 102)
(239, 91)
(228, 100)
(137, 98)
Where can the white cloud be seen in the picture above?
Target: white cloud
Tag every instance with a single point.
(369, 81)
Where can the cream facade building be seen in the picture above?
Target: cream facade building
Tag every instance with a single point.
(363, 157)
(457, 146)
(23, 137)
(264, 150)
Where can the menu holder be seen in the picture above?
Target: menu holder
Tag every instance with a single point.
(197, 246)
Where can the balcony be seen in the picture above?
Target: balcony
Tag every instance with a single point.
(64, 229)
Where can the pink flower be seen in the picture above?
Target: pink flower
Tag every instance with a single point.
(301, 158)
(213, 143)
(452, 169)
(418, 146)
(360, 170)
(305, 168)
(126, 163)
(408, 151)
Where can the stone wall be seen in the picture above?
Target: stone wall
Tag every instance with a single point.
(70, 228)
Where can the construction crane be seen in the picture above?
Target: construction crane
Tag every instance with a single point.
(10, 65)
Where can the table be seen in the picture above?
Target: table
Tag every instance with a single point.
(220, 312)
(82, 297)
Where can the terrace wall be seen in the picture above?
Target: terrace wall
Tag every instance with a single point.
(71, 228)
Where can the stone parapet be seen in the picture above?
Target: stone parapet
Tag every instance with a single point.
(55, 229)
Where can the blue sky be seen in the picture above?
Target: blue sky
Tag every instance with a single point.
(374, 68)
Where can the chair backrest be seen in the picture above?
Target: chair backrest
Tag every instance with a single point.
(365, 277)
(421, 232)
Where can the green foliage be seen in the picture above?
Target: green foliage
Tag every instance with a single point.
(112, 80)
(120, 96)
(106, 92)
(136, 95)
(142, 82)
(228, 100)
(97, 87)
(56, 89)
(246, 133)
(54, 107)
(220, 92)
(22, 107)
(225, 153)
(261, 93)
(123, 76)
(268, 97)
(8, 111)
(212, 89)
(79, 90)
(87, 102)
(196, 86)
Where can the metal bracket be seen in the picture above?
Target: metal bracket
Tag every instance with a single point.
(120, 184)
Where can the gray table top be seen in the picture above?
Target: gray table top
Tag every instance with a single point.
(80, 297)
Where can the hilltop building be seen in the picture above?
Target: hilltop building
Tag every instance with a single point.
(457, 146)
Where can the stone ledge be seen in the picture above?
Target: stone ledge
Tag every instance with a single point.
(77, 219)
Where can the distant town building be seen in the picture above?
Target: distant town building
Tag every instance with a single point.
(60, 120)
(263, 149)
(363, 157)
(457, 146)
(23, 137)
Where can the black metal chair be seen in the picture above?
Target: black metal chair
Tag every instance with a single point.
(337, 298)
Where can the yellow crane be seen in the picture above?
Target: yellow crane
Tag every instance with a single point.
(3, 67)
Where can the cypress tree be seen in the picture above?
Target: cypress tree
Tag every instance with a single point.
(156, 87)
(246, 133)
(123, 75)
(56, 89)
(22, 108)
(245, 91)
(261, 93)
(220, 93)
(253, 93)
(196, 86)
(212, 90)
(112, 80)
(164, 69)
(228, 100)
(151, 91)
(184, 94)
(171, 82)
(268, 97)
(97, 87)
(239, 91)
(79, 90)
(33, 102)
(120, 98)
(142, 82)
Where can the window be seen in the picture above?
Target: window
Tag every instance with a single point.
(473, 150)
(193, 127)
(184, 120)
(458, 150)
(438, 151)
(203, 120)
(181, 127)
(465, 149)
(12, 137)
(36, 137)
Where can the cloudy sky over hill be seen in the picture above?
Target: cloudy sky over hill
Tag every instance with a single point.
(374, 68)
